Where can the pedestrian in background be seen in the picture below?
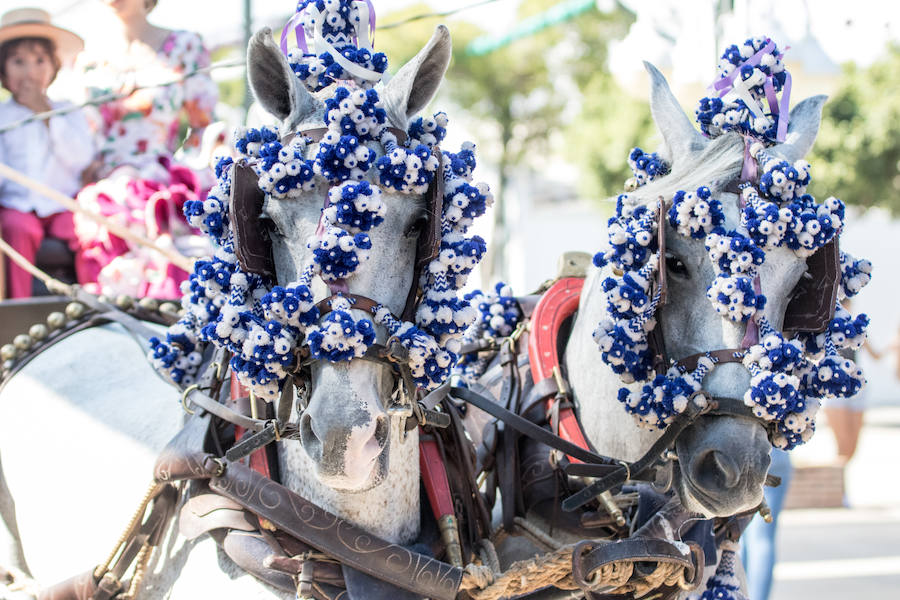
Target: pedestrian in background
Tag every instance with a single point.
(53, 151)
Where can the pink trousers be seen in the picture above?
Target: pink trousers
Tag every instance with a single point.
(24, 232)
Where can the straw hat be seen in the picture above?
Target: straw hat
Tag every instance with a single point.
(34, 22)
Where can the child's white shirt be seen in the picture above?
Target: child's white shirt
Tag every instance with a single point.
(54, 155)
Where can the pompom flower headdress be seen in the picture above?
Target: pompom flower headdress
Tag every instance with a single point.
(789, 376)
(263, 324)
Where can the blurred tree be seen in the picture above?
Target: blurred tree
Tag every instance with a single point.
(514, 93)
(857, 153)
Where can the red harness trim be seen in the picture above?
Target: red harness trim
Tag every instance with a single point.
(556, 305)
(259, 462)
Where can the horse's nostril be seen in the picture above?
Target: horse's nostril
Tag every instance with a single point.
(715, 471)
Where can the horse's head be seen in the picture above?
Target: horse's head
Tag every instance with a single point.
(723, 458)
(346, 429)
(694, 319)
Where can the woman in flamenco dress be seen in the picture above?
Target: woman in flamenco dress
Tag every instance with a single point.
(138, 181)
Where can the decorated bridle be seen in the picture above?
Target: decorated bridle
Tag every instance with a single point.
(273, 331)
(787, 375)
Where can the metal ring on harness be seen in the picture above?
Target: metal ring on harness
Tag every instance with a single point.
(184, 397)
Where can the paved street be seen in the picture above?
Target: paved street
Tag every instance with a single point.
(847, 553)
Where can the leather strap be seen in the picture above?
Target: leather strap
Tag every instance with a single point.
(629, 470)
(589, 556)
(336, 537)
(528, 428)
(725, 355)
(318, 133)
(661, 284)
(428, 245)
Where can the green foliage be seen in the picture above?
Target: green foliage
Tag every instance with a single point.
(857, 151)
(231, 91)
(610, 124)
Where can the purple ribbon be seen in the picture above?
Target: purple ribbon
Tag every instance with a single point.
(751, 334)
(749, 168)
(299, 33)
(727, 82)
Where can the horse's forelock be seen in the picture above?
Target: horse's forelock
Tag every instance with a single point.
(716, 165)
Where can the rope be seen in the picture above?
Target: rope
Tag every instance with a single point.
(102, 568)
(54, 285)
(123, 232)
(524, 576)
(43, 116)
(555, 569)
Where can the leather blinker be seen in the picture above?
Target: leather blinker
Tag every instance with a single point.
(253, 246)
(812, 306)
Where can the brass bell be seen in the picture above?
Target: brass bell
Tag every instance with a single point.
(38, 331)
(124, 301)
(56, 320)
(8, 352)
(23, 341)
(631, 184)
(150, 304)
(104, 299)
(75, 310)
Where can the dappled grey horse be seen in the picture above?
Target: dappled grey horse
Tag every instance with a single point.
(101, 415)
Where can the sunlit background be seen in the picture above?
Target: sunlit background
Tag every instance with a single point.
(554, 94)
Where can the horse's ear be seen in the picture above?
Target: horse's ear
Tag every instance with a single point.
(415, 84)
(679, 134)
(802, 129)
(273, 82)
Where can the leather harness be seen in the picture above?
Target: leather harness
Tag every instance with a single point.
(257, 512)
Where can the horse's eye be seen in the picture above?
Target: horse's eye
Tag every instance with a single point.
(418, 225)
(674, 266)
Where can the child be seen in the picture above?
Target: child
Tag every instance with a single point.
(54, 151)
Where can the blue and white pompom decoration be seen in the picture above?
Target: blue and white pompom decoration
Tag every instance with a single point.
(660, 401)
(337, 253)
(725, 584)
(407, 170)
(734, 298)
(429, 131)
(338, 27)
(733, 252)
(284, 171)
(695, 214)
(813, 225)
(855, 274)
(780, 180)
(766, 222)
(744, 85)
(292, 306)
(632, 236)
(429, 362)
(355, 206)
(646, 167)
(625, 348)
(340, 337)
(499, 314)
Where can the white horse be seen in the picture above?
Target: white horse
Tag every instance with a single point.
(723, 460)
(82, 424)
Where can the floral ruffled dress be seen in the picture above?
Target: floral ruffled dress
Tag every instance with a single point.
(142, 186)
